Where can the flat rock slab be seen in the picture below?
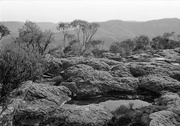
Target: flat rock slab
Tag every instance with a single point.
(88, 115)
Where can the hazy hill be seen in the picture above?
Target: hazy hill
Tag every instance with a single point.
(113, 30)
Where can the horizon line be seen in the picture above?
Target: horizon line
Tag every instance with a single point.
(92, 21)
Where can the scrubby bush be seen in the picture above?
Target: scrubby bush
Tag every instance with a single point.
(34, 38)
(18, 64)
(4, 31)
(127, 116)
(142, 42)
(73, 48)
(125, 47)
(166, 41)
(123, 109)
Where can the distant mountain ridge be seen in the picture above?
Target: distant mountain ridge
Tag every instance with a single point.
(114, 30)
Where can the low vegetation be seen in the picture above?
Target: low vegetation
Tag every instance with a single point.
(19, 64)
(125, 115)
(142, 43)
(23, 59)
(4, 31)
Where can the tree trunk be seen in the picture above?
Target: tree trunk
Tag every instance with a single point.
(64, 39)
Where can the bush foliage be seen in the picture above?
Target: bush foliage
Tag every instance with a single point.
(127, 116)
(18, 64)
(142, 43)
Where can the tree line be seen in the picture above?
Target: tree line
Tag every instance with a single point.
(142, 43)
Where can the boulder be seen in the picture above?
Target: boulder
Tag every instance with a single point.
(30, 91)
(93, 62)
(158, 83)
(109, 62)
(171, 101)
(112, 56)
(172, 54)
(164, 118)
(138, 69)
(170, 115)
(54, 65)
(33, 101)
(177, 50)
(85, 82)
(96, 64)
(120, 70)
(167, 98)
(129, 83)
(140, 57)
(80, 72)
(83, 90)
(88, 115)
(57, 65)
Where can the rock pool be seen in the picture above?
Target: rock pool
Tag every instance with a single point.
(111, 104)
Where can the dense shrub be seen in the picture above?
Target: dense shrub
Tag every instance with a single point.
(127, 116)
(166, 41)
(123, 109)
(18, 64)
(125, 47)
(98, 52)
(34, 38)
(142, 42)
(74, 48)
(4, 31)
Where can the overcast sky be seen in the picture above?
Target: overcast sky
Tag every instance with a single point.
(90, 10)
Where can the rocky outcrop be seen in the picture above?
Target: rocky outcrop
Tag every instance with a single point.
(157, 83)
(144, 68)
(91, 77)
(164, 118)
(84, 81)
(88, 115)
(94, 63)
(82, 78)
(120, 70)
(112, 56)
(85, 73)
(172, 54)
(38, 104)
(109, 62)
(138, 69)
(41, 104)
(54, 65)
(169, 116)
(33, 101)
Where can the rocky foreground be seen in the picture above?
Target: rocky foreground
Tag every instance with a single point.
(153, 77)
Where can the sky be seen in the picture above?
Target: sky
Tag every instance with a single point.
(89, 10)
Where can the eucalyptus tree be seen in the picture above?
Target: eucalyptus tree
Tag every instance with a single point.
(87, 30)
(79, 33)
(32, 37)
(64, 27)
(79, 27)
(4, 31)
(166, 41)
(142, 42)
